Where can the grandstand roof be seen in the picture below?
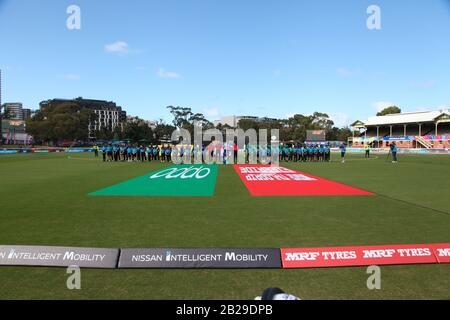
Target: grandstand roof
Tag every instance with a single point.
(404, 118)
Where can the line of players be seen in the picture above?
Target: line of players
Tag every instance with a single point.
(164, 153)
(305, 153)
(132, 153)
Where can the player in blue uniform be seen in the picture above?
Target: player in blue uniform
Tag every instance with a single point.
(104, 153)
(286, 153)
(122, 152)
(321, 153)
(142, 154)
(342, 149)
(150, 155)
(310, 153)
(134, 152)
(129, 152)
(394, 149)
(115, 151)
(109, 151)
(162, 153)
(294, 153)
(155, 151)
(327, 153)
(168, 153)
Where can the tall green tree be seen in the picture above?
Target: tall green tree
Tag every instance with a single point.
(321, 120)
(295, 127)
(163, 131)
(181, 116)
(137, 130)
(246, 124)
(389, 110)
(338, 134)
(66, 121)
(104, 133)
(185, 118)
(6, 114)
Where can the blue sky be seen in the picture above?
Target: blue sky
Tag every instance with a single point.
(222, 57)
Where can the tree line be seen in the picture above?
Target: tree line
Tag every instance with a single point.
(68, 121)
(295, 127)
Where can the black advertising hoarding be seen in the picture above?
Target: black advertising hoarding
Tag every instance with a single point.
(58, 257)
(224, 258)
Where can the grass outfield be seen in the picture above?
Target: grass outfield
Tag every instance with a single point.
(44, 201)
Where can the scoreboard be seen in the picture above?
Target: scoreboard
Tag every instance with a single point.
(315, 135)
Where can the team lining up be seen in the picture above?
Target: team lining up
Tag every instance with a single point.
(166, 152)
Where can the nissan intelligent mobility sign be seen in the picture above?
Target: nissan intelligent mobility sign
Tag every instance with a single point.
(200, 258)
(176, 181)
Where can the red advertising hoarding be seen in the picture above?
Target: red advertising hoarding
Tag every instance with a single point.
(361, 255)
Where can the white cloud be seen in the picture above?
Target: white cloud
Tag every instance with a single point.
(211, 112)
(119, 47)
(168, 74)
(346, 73)
(381, 105)
(290, 115)
(340, 119)
(72, 77)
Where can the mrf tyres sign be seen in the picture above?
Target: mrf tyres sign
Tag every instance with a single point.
(359, 256)
(200, 258)
(175, 181)
(58, 256)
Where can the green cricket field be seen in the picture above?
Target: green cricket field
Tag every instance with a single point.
(44, 200)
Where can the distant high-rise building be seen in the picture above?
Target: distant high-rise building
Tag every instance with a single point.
(109, 115)
(26, 114)
(14, 110)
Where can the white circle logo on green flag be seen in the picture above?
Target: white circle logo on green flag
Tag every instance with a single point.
(183, 173)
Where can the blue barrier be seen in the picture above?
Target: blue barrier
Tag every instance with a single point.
(400, 150)
(5, 151)
(29, 150)
(79, 150)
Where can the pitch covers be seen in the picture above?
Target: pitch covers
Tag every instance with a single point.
(266, 180)
(175, 181)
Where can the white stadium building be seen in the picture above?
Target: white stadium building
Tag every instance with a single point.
(425, 129)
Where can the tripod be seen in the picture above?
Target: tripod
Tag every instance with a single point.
(388, 156)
